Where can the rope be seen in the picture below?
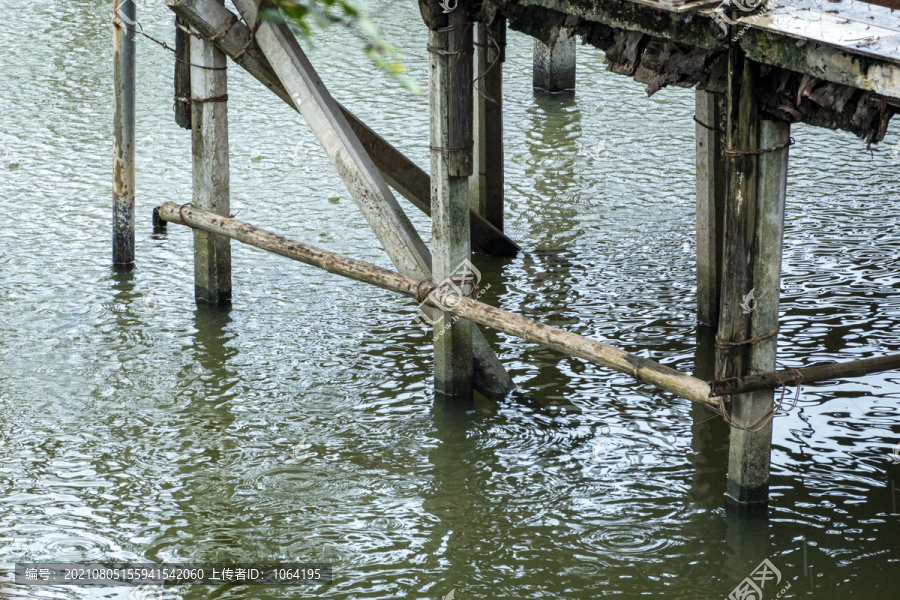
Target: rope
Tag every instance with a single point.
(459, 282)
(444, 52)
(189, 101)
(705, 126)
(216, 36)
(465, 25)
(237, 57)
(491, 38)
(730, 152)
(456, 149)
(777, 407)
(118, 24)
(725, 344)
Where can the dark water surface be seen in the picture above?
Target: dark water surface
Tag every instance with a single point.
(136, 427)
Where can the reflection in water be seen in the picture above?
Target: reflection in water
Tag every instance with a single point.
(709, 433)
(205, 415)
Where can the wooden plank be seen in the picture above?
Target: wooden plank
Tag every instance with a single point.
(211, 179)
(460, 106)
(750, 451)
(685, 27)
(641, 369)
(124, 132)
(486, 191)
(678, 6)
(450, 111)
(399, 172)
(710, 205)
(355, 167)
(869, 62)
(732, 353)
(182, 74)
(842, 42)
(892, 4)
(740, 212)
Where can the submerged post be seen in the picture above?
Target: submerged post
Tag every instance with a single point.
(124, 27)
(554, 63)
(211, 179)
(750, 452)
(486, 186)
(710, 205)
(451, 114)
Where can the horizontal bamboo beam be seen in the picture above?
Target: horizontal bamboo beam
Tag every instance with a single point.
(402, 174)
(823, 372)
(641, 369)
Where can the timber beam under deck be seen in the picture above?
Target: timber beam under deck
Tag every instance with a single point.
(836, 67)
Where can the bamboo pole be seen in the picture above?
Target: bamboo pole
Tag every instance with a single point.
(815, 373)
(399, 172)
(124, 26)
(641, 369)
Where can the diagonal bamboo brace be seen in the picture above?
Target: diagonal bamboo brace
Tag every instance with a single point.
(641, 369)
(402, 174)
(307, 93)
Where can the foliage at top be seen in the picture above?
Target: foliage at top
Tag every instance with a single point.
(307, 14)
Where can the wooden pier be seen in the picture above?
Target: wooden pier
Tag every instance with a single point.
(757, 70)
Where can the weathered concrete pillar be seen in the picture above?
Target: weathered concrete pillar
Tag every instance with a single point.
(486, 185)
(211, 178)
(710, 205)
(451, 114)
(554, 63)
(124, 28)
